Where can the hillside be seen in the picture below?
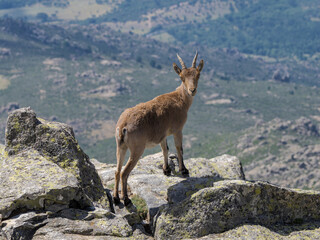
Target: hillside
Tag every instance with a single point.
(283, 28)
(61, 74)
(286, 28)
(86, 72)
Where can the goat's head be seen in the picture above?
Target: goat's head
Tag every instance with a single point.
(189, 76)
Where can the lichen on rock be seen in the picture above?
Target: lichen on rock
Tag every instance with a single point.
(40, 158)
(30, 181)
(149, 183)
(231, 203)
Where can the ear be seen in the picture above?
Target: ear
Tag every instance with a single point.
(176, 68)
(200, 66)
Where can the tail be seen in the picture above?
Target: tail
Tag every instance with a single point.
(120, 135)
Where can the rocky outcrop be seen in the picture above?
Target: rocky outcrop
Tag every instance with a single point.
(5, 52)
(68, 223)
(9, 107)
(31, 182)
(281, 74)
(148, 181)
(45, 159)
(49, 189)
(215, 202)
(229, 204)
(305, 127)
(283, 152)
(279, 232)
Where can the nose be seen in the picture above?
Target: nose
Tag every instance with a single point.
(192, 90)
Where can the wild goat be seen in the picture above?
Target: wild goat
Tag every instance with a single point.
(148, 124)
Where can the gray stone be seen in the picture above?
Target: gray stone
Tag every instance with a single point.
(231, 203)
(148, 181)
(49, 189)
(23, 226)
(43, 167)
(106, 226)
(281, 74)
(30, 181)
(279, 232)
(56, 142)
(68, 224)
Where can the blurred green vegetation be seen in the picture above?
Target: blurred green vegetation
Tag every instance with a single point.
(267, 27)
(59, 72)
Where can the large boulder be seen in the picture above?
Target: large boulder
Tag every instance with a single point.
(49, 189)
(30, 181)
(41, 160)
(232, 203)
(149, 183)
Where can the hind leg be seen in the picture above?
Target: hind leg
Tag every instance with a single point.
(132, 162)
(121, 153)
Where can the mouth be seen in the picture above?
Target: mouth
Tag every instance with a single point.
(192, 93)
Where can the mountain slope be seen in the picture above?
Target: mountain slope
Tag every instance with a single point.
(86, 76)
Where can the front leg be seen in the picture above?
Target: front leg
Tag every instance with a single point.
(165, 149)
(178, 142)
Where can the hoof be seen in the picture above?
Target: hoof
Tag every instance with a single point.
(167, 171)
(127, 201)
(185, 172)
(116, 200)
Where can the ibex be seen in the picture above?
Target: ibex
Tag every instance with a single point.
(148, 124)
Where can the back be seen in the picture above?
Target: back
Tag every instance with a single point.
(156, 118)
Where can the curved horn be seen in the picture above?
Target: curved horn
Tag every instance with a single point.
(181, 62)
(195, 60)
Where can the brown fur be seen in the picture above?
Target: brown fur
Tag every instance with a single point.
(148, 124)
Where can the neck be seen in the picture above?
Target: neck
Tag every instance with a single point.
(187, 99)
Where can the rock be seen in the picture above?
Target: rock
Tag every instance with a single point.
(106, 226)
(281, 232)
(305, 127)
(43, 167)
(232, 203)
(281, 74)
(140, 233)
(148, 181)
(68, 224)
(23, 226)
(282, 152)
(31, 182)
(49, 189)
(9, 107)
(5, 52)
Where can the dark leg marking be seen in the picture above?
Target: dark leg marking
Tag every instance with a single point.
(127, 201)
(185, 172)
(116, 200)
(167, 171)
